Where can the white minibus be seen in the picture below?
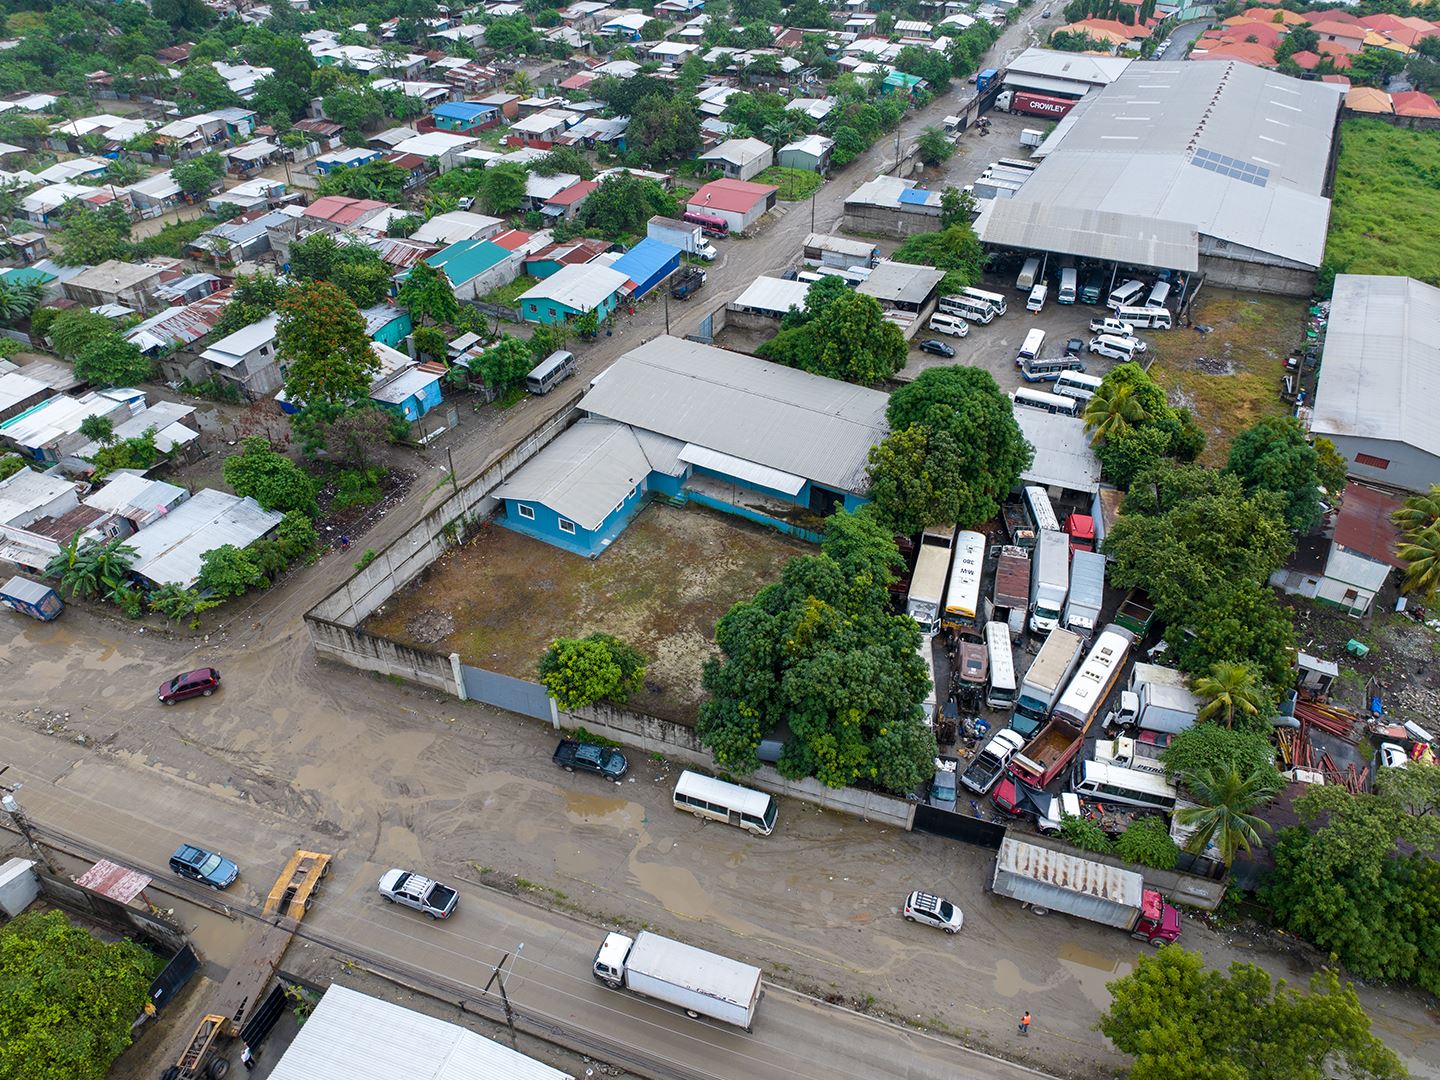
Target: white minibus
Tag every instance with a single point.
(1052, 403)
(1105, 782)
(706, 797)
(1145, 318)
(1036, 301)
(1158, 294)
(1049, 370)
(1069, 283)
(1125, 294)
(1030, 349)
(994, 299)
(949, 324)
(555, 367)
(1028, 273)
(1077, 384)
(1001, 692)
(963, 307)
(1042, 510)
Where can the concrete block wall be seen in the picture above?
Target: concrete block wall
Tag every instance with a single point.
(367, 652)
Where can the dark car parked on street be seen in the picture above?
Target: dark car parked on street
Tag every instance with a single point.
(938, 348)
(587, 757)
(203, 866)
(202, 682)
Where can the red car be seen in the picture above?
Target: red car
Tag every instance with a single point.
(202, 682)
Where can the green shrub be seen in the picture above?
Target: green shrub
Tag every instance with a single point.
(357, 487)
(1147, 842)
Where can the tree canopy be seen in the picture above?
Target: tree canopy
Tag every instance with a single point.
(1136, 427)
(427, 295)
(819, 653)
(321, 335)
(274, 481)
(1180, 1021)
(1273, 454)
(955, 249)
(953, 452)
(580, 671)
(622, 204)
(69, 998)
(847, 338)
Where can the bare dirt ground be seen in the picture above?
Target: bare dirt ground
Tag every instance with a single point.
(501, 599)
(1230, 377)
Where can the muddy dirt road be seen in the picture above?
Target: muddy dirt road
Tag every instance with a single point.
(295, 753)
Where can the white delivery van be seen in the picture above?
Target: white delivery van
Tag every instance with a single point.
(1069, 285)
(1036, 302)
(1030, 348)
(949, 324)
(1115, 348)
(1126, 294)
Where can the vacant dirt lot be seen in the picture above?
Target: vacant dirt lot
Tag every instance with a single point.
(1229, 377)
(500, 600)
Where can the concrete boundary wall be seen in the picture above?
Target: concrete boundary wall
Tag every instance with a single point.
(450, 523)
(654, 735)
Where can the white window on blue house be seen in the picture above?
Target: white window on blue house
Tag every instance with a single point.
(526, 512)
(567, 526)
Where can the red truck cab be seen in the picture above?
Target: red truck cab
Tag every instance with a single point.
(1159, 923)
(1081, 529)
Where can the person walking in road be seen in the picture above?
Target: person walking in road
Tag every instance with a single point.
(246, 1058)
(1025, 1023)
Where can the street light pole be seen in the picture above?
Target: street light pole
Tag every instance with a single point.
(11, 806)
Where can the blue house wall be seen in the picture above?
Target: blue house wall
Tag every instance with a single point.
(418, 403)
(549, 312)
(395, 331)
(546, 523)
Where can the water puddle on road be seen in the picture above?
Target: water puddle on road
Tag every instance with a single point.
(1092, 970)
(583, 808)
(1008, 982)
(679, 892)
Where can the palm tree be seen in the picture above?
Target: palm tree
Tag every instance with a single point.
(520, 84)
(113, 560)
(1112, 410)
(65, 560)
(1228, 690)
(1422, 552)
(1420, 512)
(1221, 814)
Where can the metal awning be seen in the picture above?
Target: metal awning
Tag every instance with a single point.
(750, 471)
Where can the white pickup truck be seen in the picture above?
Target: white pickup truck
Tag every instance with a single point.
(421, 893)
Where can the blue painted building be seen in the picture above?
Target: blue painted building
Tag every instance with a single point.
(647, 264)
(387, 324)
(412, 393)
(694, 423)
(464, 117)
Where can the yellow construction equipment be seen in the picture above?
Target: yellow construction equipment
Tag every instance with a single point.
(192, 1062)
(295, 889)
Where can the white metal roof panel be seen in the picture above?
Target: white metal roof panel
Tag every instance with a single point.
(584, 474)
(359, 1037)
(1381, 359)
(1094, 234)
(1064, 456)
(772, 294)
(754, 473)
(818, 428)
(170, 550)
(1083, 67)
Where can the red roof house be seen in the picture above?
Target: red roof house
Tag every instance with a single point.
(1414, 103)
(739, 203)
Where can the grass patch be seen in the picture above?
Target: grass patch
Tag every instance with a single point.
(796, 185)
(510, 398)
(173, 238)
(1386, 211)
(1230, 377)
(509, 295)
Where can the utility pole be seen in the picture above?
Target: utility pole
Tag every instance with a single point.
(451, 458)
(11, 806)
(498, 975)
(813, 196)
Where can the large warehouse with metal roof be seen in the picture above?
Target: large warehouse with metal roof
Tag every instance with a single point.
(1219, 169)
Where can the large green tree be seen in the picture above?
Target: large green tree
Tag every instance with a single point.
(321, 336)
(1179, 1021)
(70, 999)
(1222, 750)
(1359, 878)
(274, 481)
(955, 249)
(199, 176)
(427, 295)
(1273, 454)
(1220, 814)
(581, 671)
(90, 236)
(622, 204)
(819, 652)
(956, 427)
(850, 340)
(501, 189)
(109, 360)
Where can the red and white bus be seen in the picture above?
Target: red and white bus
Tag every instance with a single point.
(709, 224)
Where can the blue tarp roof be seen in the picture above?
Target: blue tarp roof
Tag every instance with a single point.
(645, 260)
(462, 110)
(914, 196)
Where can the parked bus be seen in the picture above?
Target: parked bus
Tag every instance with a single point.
(1049, 370)
(1088, 690)
(927, 582)
(1025, 280)
(1031, 346)
(1125, 294)
(1051, 403)
(994, 299)
(709, 224)
(706, 797)
(1000, 694)
(556, 367)
(963, 307)
(967, 565)
(1135, 787)
(949, 324)
(1069, 286)
(1077, 384)
(852, 276)
(1042, 510)
(1145, 318)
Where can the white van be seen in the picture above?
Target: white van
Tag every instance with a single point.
(1069, 284)
(557, 366)
(1146, 318)
(1028, 273)
(1036, 302)
(1116, 348)
(1126, 294)
(1158, 295)
(1030, 349)
(1112, 326)
(949, 324)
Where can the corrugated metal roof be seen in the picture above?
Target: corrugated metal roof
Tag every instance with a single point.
(749, 471)
(1071, 872)
(170, 550)
(353, 1035)
(814, 427)
(1381, 361)
(772, 295)
(403, 386)
(645, 260)
(1133, 150)
(1078, 67)
(579, 288)
(1094, 234)
(1063, 454)
(584, 474)
(135, 496)
(904, 283)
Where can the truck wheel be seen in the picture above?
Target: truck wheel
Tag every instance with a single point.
(217, 1068)
(1039, 910)
(692, 1014)
(614, 984)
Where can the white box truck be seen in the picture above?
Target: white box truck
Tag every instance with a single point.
(927, 583)
(688, 238)
(1157, 707)
(700, 982)
(1031, 137)
(1045, 680)
(1049, 580)
(1087, 592)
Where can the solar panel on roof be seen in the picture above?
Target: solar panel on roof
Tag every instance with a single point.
(1234, 168)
